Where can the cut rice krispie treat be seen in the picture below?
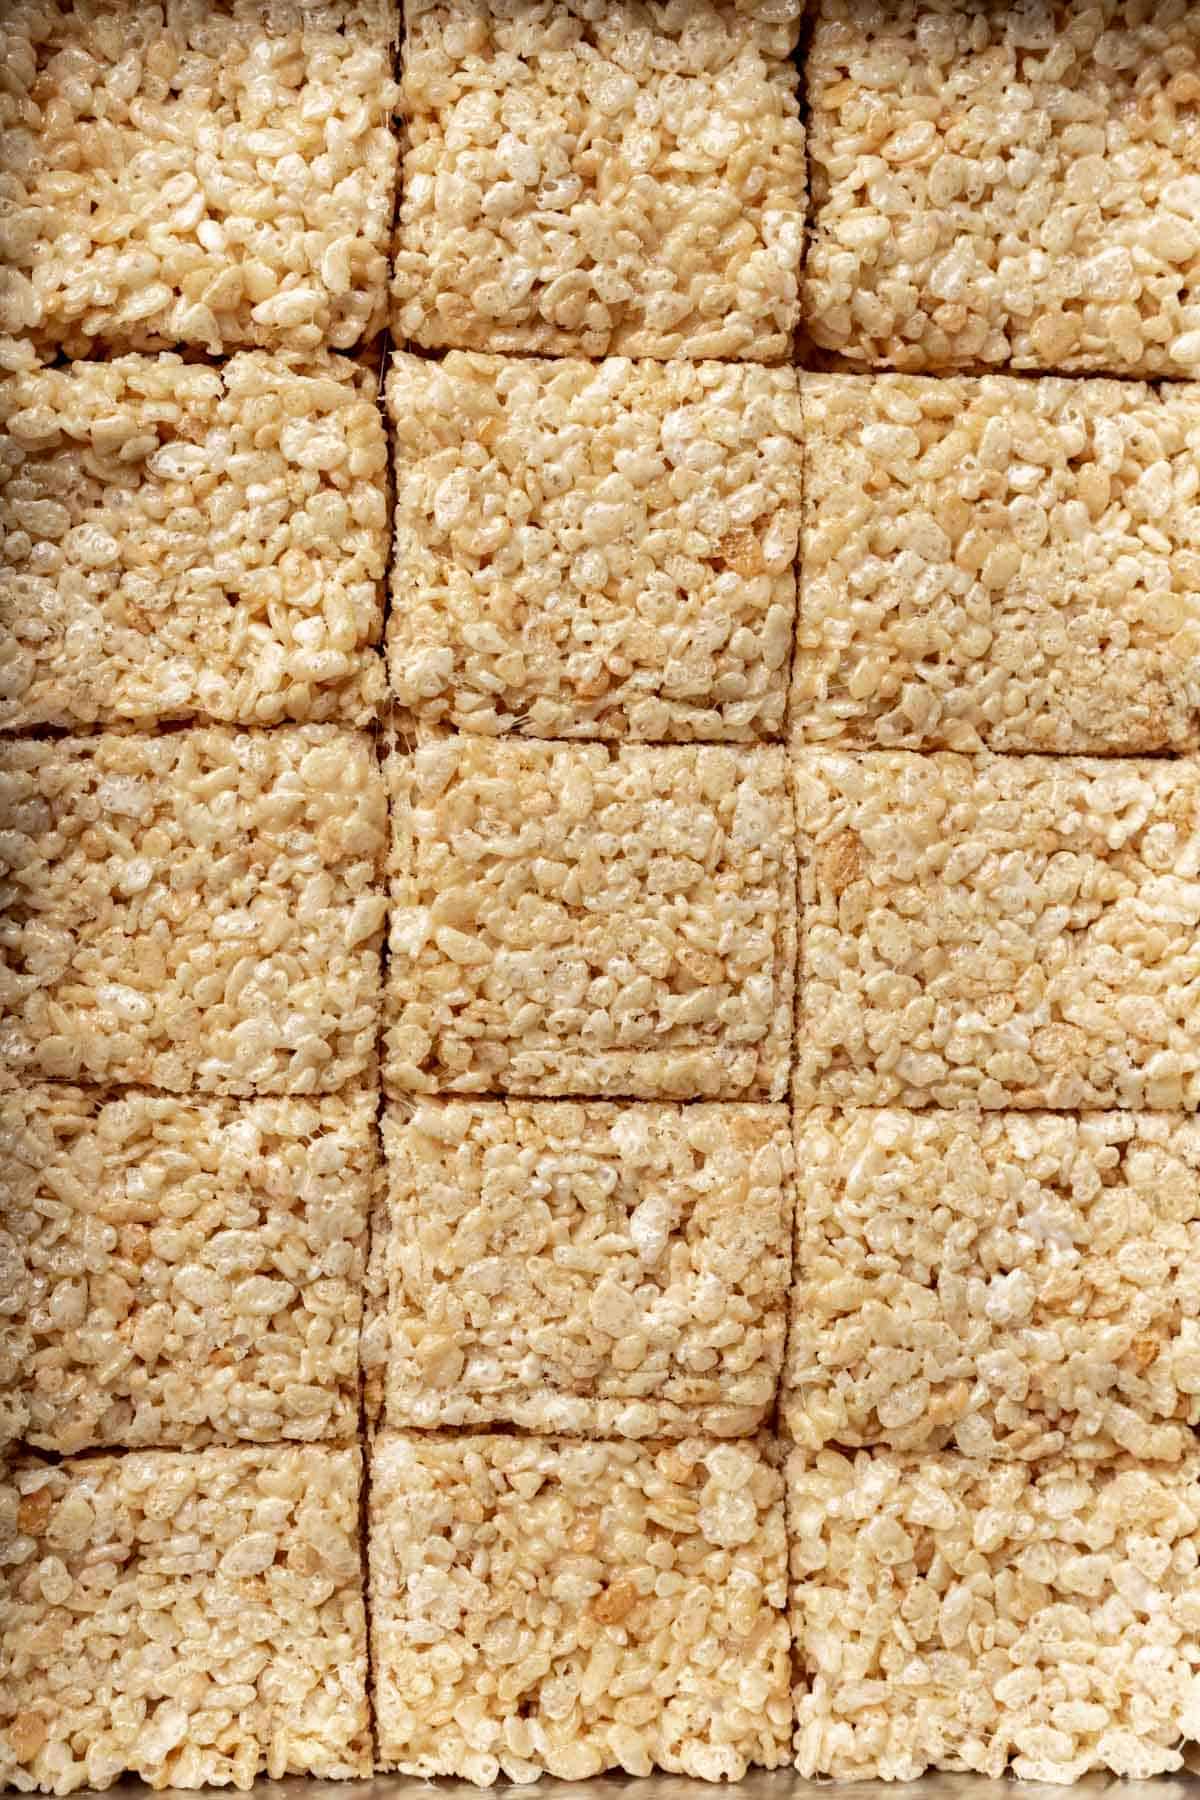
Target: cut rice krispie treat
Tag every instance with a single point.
(547, 1607)
(190, 1617)
(16, 1338)
(209, 172)
(1005, 184)
(595, 1269)
(951, 1615)
(574, 919)
(626, 178)
(1013, 1284)
(193, 1271)
(999, 562)
(196, 910)
(594, 549)
(180, 540)
(999, 931)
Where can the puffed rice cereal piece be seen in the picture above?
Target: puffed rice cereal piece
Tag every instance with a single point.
(1005, 184)
(196, 910)
(594, 549)
(585, 920)
(999, 931)
(590, 1269)
(948, 1614)
(194, 1618)
(619, 179)
(205, 172)
(1012, 1284)
(193, 1270)
(181, 541)
(540, 1606)
(999, 563)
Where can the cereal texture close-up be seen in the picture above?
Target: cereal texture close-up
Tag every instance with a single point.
(206, 172)
(594, 549)
(189, 1617)
(575, 919)
(542, 1606)
(620, 179)
(1002, 563)
(182, 541)
(595, 1269)
(197, 910)
(1010, 1285)
(193, 1272)
(999, 931)
(954, 1616)
(1005, 184)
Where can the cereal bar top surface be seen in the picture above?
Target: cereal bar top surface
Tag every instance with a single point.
(194, 910)
(182, 540)
(195, 173)
(570, 919)
(192, 1270)
(1005, 184)
(622, 179)
(594, 549)
(583, 1267)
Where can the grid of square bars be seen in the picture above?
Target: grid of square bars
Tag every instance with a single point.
(658, 1379)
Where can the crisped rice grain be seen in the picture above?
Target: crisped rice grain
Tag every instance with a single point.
(1014, 1285)
(204, 172)
(193, 1271)
(179, 540)
(998, 562)
(594, 550)
(999, 931)
(590, 1269)
(1005, 184)
(574, 919)
(952, 1615)
(569, 1608)
(626, 178)
(196, 910)
(190, 1617)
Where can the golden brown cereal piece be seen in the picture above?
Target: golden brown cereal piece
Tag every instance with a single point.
(1005, 184)
(594, 549)
(543, 1606)
(193, 1618)
(570, 919)
(185, 541)
(196, 911)
(626, 179)
(951, 1615)
(999, 563)
(212, 173)
(585, 1268)
(1018, 931)
(193, 1270)
(1010, 1285)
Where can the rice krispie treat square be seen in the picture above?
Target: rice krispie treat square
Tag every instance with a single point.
(582, 1268)
(540, 1606)
(180, 540)
(1005, 184)
(619, 179)
(594, 549)
(1014, 1284)
(194, 1618)
(198, 910)
(193, 1271)
(948, 1614)
(998, 931)
(209, 172)
(584, 920)
(999, 562)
